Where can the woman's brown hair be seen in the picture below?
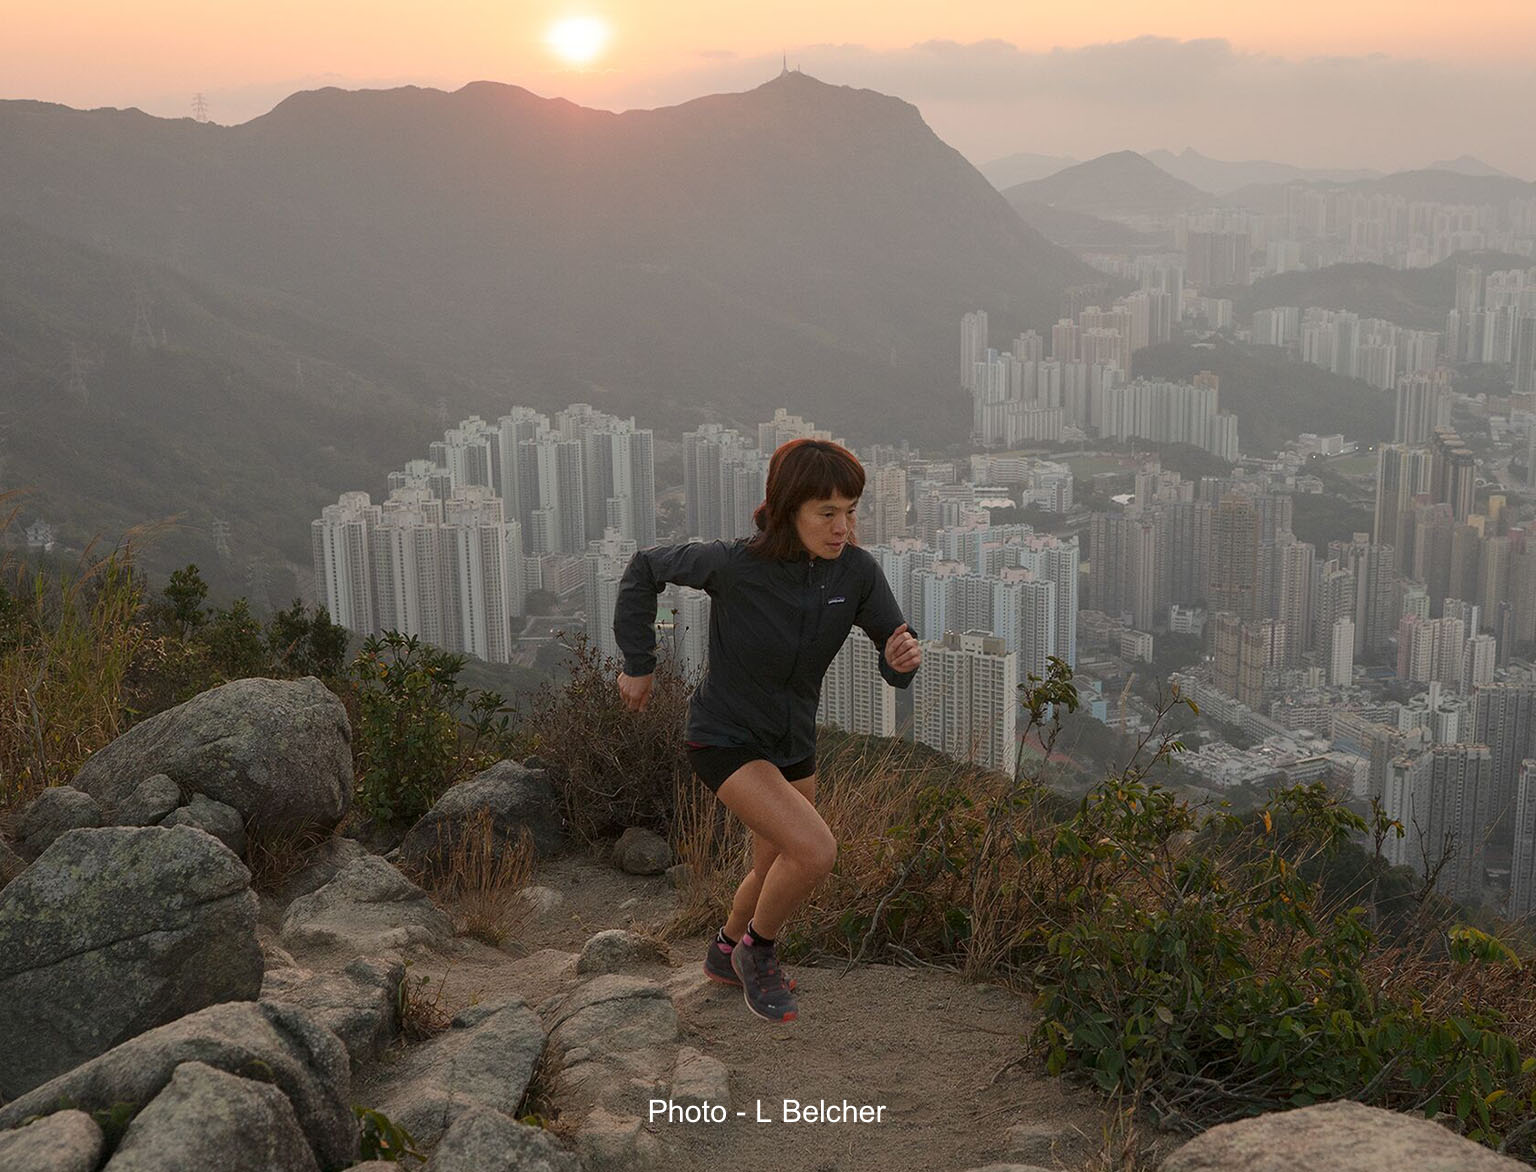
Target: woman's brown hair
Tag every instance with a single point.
(802, 470)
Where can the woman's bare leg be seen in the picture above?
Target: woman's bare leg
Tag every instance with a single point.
(793, 850)
(764, 853)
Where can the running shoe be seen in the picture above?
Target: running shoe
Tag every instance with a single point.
(763, 986)
(717, 965)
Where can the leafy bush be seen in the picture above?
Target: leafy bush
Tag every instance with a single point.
(406, 734)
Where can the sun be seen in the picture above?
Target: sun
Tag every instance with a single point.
(577, 39)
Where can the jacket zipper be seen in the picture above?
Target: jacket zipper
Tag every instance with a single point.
(789, 697)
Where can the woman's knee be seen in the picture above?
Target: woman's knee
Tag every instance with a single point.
(819, 854)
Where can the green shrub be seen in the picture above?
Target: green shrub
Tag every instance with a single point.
(381, 1138)
(408, 738)
(1207, 986)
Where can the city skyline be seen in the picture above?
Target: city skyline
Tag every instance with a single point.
(1376, 86)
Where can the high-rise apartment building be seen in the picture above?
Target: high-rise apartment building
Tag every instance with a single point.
(967, 699)
(853, 694)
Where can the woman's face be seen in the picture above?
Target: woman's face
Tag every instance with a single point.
(824, 526)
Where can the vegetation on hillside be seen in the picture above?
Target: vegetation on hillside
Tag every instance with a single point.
(1205, 965)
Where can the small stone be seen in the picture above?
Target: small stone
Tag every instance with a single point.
(699, 1078)
(641, 852)
(221, 821)
(56, 811)
(615, 950)
(542, 900)
(67, 1141)
(154, 798)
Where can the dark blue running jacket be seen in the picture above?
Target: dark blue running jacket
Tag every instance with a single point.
(774, 626)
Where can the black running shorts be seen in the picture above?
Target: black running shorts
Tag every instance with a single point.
(715, 763)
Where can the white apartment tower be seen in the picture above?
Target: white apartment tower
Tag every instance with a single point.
(606, 561)
(854, 696)
(340, 544)
(967, 699)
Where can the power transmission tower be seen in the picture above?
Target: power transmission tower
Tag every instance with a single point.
(199, 108)
(298, 375)
(221, 538)
(143, 333)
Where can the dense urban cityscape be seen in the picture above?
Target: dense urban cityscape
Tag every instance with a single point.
(1394, 663)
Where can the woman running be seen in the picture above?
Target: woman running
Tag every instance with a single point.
(782, 604)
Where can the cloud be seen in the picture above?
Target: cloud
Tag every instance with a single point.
(991, 98)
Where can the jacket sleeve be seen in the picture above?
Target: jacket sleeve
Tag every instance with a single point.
(878, 617)
(696, 563)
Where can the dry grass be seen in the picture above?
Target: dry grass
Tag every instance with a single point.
(275, 857)
(66, 645)
(422, 1012)
(479, 878)
(1129, 1143)
(612, 767)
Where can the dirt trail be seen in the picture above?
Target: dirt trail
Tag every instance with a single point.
(943, 1056)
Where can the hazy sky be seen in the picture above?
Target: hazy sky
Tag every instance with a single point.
(1377, 83)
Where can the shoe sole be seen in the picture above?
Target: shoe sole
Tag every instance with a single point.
(790, 1016)
(746, 1000)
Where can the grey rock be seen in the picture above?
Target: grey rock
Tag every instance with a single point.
(57, 810)
(615, 950)
(11, 864)
(618, 1143)
(614, 1012)
(276, 750)
(640, 852)
(1010, 1168)
(360, 1005)
(207, 1118)
(69, 1141)
(1341, 1137)
(370, 907)
(321, 865)
(699, 1079)
(680, 875)
(486, 1059)
(151, 800)
(221, 821)
(277, 1043)
(114, 931)
(511, 796)
(483, 1140)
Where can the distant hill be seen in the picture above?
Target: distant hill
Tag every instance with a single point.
(1022, 168)
(1416, 298)
(1467, 165)
(1275, 398)
(1114, 185)
(1438, 186)
(352, 259)
(1081, 232)
(1220, 177)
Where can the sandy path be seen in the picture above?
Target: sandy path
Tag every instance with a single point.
(944, 1057)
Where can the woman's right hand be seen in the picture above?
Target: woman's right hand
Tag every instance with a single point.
(636, 691)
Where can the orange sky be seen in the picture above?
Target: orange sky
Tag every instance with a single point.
(84, 53)
(1012, 76)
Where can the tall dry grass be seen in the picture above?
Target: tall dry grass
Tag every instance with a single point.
(477, 879)
(68, 641)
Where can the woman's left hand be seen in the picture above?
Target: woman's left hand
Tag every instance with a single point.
(902, 650)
